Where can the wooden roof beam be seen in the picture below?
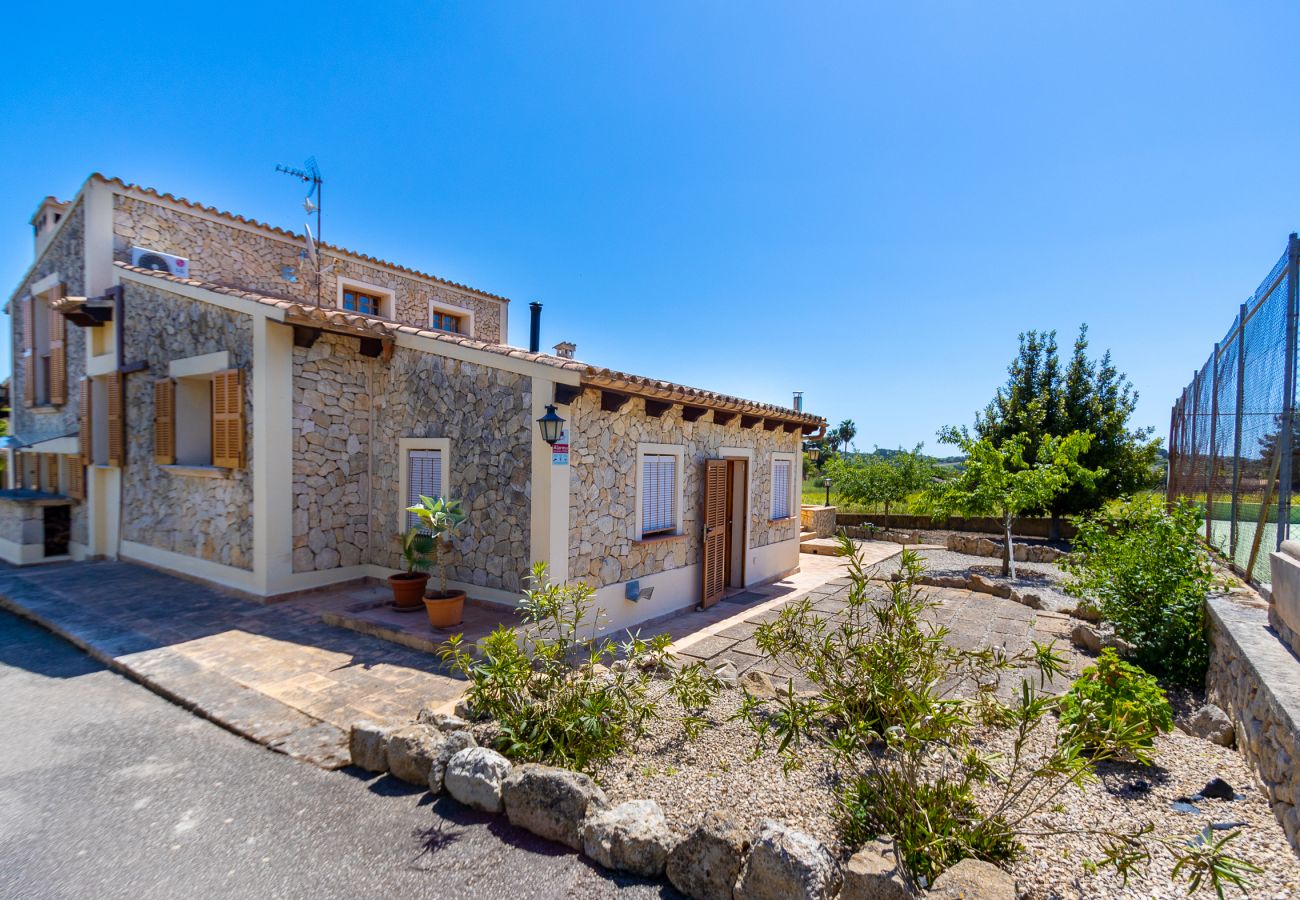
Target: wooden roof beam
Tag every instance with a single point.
(749, 421)
(771, 424)
(722, 417)
(656, 408)
(612, 401)
(693, 413)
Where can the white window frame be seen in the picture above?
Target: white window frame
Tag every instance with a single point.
(771, 493)
(404, 447)
(192, 410)
(462, 312)
(387, 298)
(675, 450)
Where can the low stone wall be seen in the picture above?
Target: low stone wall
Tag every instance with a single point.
(975, 545)
(1256, 680)
(820, 519)
(1036, 528)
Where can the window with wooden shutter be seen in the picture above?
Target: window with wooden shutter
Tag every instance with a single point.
(85, 437)
(58, 351)
(51, 483)
(658, 493)
(423, 479)
(164, 422)
(228, 419)
(28, 346)
(780, 488)
(116, 432)
(74, 477)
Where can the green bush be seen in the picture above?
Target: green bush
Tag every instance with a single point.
(1145, 569)
(560, 693)
(1116, 706)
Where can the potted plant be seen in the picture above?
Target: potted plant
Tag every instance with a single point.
(408, 587)
(441, 519)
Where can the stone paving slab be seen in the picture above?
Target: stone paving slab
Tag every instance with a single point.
(275, 674)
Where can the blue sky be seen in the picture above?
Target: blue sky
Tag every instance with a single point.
(863, 201)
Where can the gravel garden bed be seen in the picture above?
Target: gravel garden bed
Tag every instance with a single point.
(717, 772)
(1043, 579)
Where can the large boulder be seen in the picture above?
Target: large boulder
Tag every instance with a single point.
(705, 864)
(412, 750)
(1085, 637)
(874, 873)
(474, 777)
(758, 685)
(1211, 723)
(972, 879)
(551, 803)
(368, 744)
(453, 742)
(631, 837)
(785, 864)
(442, 721)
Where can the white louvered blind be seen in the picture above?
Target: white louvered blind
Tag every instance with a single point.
(780, 488)
(658, 493)
(423, 478)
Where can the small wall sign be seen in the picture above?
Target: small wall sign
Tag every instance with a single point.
(560, 450)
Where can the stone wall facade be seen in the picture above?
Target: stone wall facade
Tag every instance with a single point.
(603, 549)
(1256, 680)
(252, 258)
(331, 458)
(206, 517)
(818, 519)
(350, 414)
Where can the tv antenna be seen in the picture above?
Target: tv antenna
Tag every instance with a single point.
(310, 174)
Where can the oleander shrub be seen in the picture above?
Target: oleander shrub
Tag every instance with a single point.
(1114, 705)
(563, 693)
(1145, 569)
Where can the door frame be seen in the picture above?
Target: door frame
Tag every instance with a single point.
(745, 454)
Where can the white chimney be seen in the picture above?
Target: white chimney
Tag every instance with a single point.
(566, 349)
(46, 218)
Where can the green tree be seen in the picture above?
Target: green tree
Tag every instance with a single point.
(1000, 480)
(881, 480)
(1042, 400)
(845, 432)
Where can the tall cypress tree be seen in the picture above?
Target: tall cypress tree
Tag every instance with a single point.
(1094, 396)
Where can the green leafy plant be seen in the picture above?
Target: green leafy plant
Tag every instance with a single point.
(442, 519)
(1144, 567)
(416, 546)
(904, 715)
(1203, 859)
(880, 479)
(562, 693)
(1115, 705)
(1000, 480)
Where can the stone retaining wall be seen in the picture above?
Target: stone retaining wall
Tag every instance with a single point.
(1257, 681)
(1036, 528)
(975, 545)
(819, 519)
(252, 259)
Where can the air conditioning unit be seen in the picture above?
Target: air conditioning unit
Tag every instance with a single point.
(145, 258)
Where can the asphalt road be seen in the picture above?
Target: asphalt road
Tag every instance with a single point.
(107, 790)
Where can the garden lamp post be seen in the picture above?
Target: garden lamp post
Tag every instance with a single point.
(551, 424)
(828, 492)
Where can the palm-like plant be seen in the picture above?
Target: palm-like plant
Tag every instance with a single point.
(441, 519)
(416, 547)
(845, 432)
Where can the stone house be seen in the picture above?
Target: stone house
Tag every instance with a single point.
(190, 394)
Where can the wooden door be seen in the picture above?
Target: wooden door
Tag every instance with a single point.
(714, 554)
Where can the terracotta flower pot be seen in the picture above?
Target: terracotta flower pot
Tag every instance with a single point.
(445, 610)
(408, 588)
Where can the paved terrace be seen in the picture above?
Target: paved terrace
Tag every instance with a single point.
(281, 674)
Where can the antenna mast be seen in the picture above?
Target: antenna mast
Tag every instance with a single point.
(310, 174)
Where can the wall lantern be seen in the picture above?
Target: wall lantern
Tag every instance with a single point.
(551, 424)
(814, 452)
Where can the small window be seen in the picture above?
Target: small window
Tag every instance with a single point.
(193, 420)
(658, 494)
(781, 488)
(359, 301)
(423, 479)
(446, 322)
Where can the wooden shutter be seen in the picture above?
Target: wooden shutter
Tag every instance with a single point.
(228, 419)
(780, 488)
(658, 493)
(116, 431)
(85, 436)
(423, 479)
(164, 422)
(715, 531)
(29, 342)
(52, 473)
(74, 476)
(58, 351)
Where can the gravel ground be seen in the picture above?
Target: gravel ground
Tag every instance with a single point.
(1043, 579)
(716, 772)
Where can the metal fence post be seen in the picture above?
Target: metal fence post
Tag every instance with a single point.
(1288, 393)
(1236, 431)
(1214, 434)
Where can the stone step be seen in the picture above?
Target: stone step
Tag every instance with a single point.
(820, 546)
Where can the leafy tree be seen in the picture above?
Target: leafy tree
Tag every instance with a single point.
(999, 480)
(1042, 400)
(879, 479)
